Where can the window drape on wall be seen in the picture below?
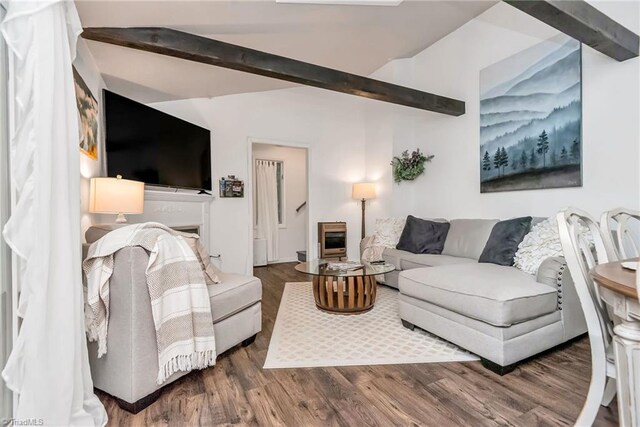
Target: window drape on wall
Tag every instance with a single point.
(48, 367)
(267, 209)
(5, 255)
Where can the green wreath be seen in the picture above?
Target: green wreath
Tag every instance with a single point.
(409, 167)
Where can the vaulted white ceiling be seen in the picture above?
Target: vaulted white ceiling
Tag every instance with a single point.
(357, 39)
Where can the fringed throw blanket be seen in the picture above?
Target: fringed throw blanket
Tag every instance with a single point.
(178, 291)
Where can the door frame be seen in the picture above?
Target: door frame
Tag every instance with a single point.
(251, 141)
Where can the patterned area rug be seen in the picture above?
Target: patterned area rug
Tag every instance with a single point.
(305, 337)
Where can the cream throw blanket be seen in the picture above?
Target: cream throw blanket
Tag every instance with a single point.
(178, 291)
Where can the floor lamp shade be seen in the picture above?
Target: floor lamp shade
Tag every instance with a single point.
(363, 191)
(116, 195)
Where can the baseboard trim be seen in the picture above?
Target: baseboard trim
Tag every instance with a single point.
(278, 261)
(283, 260)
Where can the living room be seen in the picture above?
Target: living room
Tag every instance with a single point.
(467, 272)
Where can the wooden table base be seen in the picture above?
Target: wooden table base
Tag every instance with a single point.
(344, 295)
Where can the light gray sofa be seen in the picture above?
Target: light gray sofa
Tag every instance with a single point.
(502, 314)
(129, 369)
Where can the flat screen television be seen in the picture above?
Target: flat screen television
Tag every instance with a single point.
(147, 145)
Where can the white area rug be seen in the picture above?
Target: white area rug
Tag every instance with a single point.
(304, 336)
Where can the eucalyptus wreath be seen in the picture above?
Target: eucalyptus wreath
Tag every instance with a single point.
(409, 167)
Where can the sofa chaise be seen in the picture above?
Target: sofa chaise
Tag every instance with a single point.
(129, 370)
(502, 314)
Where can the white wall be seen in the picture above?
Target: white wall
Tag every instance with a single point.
(292, 235)
(89, 168)
(329, 124)
(451, 185)
(351, 139)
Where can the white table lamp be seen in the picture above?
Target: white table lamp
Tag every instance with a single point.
(116, 195)
(364, 191)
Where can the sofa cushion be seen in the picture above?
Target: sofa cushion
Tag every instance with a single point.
(421, 236)
(498, 295)
(467, 237)
(504, 240)
(234, 293)
(411, 261)
(403, 260)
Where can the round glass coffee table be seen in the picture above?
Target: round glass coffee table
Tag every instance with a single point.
(346, 291)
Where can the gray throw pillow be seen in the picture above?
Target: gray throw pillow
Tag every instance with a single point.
(421, 236)
(504, 240)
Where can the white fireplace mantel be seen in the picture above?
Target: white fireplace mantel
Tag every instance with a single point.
(176, 196)
(178, 209)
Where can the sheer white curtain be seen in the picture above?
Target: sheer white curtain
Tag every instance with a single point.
(48, 368)
(5, 256)
(267, 205)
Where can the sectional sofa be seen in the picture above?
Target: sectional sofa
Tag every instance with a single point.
(500, 313)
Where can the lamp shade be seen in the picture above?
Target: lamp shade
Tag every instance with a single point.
(116, 195)
(364, 190)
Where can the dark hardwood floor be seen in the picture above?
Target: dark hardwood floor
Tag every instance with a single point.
(549, 390)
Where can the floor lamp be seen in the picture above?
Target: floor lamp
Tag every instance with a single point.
(364, 191)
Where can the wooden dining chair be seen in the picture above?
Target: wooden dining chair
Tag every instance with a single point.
(621, 233)
(581, 255)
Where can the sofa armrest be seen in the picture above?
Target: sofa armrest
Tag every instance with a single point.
(551, 272)
(554, 272)
(130, 367)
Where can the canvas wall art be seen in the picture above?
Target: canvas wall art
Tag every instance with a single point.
(531, 119)
(88, 114)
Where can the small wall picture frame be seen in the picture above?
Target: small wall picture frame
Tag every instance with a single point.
(88, 116)
(231, 187)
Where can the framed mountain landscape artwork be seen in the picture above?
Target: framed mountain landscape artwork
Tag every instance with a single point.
(88, 116)
(531, 119)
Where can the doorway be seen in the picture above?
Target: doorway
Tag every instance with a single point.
(280, 211)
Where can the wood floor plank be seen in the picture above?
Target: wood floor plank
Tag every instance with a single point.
(232, 396)
(548, 390)
(351, 406)
(281, 407)
(529, 387)
(469, 394)
(266, 412)
(393, 395)
(490, 391)
(540, 416)
(298, 385)
(252, 376)
(389, 406)
(360, 374)
(468, 401)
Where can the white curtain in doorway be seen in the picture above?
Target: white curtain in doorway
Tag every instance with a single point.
(267, 209)
(48, 368)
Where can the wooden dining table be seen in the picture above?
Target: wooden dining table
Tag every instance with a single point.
(617, 288)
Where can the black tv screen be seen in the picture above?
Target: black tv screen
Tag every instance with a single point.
(147, 145)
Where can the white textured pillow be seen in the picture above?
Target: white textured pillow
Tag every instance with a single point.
(543, 241)
(388, 231)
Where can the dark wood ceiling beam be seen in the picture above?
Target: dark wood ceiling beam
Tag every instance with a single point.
(585, 23)
(187, 46)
